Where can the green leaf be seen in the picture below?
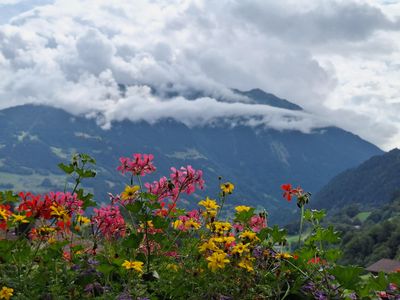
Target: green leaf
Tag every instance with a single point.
(8, 197)
(347, 276)
(263, 234)
(68, 169)
(89, 173)
(160, 222)
(148, 196)
(132, 241)
(105, 268)
(134, 207)
(278, 235)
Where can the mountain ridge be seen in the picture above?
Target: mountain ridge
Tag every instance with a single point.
(34, 139)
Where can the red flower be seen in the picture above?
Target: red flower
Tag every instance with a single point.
(287, 194)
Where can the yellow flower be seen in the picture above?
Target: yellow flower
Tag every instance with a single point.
(51, 240)
(136, 265)
(209, 204)
(246, 263)
(217, 261)
(4, 213)
(228, 239)
(209, 245)
(252, 236)
(176, 224)
(191, 224)
(59, 212)
(242, 208)
(149, 224)
(217, 239)
(6, 293)
(45, 230)
(173, 267)
(283, 255)
(129, 192)
(209, 213)
(82, 219)
(19, 219)
(240, 248)
(220, 226)
(227, 188)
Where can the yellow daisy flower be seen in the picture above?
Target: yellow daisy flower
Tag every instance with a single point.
(227, 188)
(217, 261)
(130, 192)
(6, 293)
(242, 208)
(19, 219)
(209, 204)
(135, 265)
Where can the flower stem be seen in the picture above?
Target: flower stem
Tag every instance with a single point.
(301, 225)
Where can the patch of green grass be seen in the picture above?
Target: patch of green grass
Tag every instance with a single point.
(362, 216)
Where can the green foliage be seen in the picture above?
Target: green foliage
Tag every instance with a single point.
(141, 245)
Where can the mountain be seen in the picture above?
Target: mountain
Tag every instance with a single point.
(371, 184)
(368, 236)
(260, 97)
(34, 139)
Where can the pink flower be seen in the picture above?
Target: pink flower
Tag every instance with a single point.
(109, 221)
(162, 189)
(67, 200)
(187, 179)
(257, 223)
(238, 227)
(141, 164)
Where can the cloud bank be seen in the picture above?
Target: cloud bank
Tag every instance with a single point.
(339, 60)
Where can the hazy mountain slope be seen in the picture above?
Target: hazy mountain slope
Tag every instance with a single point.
(33, 139)
(372, 183)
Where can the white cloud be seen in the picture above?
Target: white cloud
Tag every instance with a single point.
(336, 59)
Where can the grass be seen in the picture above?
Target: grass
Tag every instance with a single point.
(362, 216)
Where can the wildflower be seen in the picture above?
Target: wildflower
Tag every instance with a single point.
(19, 219)
(227, 188)
(192, 224)
(186, 179)
(209, 204)
(242, 208)
(246, 263)
(316, 261)
(110, 221)
(5, 212)
(241, 248)
(173, 267)
(287, 194)
(217, 261)
(6, 293)
(220, 227)
(258, 222)
(141, 164)
(135, 265)
(59, 212)
(252, 236)
(82, 219)
(130, 192)
(228, 239)
(177, 224)
(283, 255)
(209, 213)
(209, 245)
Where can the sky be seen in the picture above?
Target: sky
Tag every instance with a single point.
(339, 60)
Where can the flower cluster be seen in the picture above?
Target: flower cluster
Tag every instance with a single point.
(140, 165)
(109, 221)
